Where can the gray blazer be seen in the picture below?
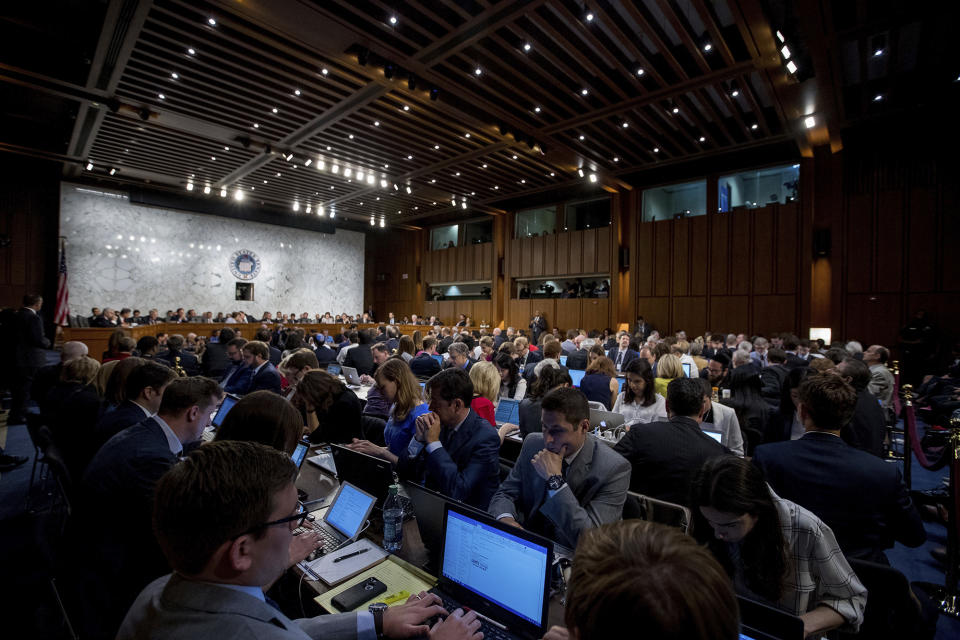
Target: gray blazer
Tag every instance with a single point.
(726, 422)
(598, 480)
(174, 608)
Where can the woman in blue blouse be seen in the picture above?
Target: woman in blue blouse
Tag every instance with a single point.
(399, 387)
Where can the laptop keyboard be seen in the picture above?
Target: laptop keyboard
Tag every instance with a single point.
(328, 541)
(488, 630)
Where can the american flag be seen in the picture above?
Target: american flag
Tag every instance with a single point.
(62, 311)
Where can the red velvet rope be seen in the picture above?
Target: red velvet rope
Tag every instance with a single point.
(918, 452)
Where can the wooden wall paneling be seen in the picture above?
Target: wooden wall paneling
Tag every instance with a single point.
(660, 254)
(656, 311)
(859, 244)
(563, 254)
(567, 314)
(699, 264)
(576, 251)
(519, 315)
(431, 308)
(890, 246)
(679, 258)
(729, 313)
(786, 243)
(943, 308)
(512, 263)
(594, 313)
(549, 254)
(482, 312)
(426, 267)
(589, 264)
(526, 257)
(536, 259)
(774, 313)
(450, 255)
(641, 260)
(740, 262)
(922, 238)
(607, 259)
(689, 314)
(465, 264)
(872, 318)
(950, 237)
(719, 258)
(763, 249)
(447, 311)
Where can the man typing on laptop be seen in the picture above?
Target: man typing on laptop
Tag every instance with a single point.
(565, 480)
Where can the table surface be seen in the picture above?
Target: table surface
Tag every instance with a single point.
(319, 483)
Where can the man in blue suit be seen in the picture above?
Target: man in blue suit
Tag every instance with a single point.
(144, 392)
(256, 356)
(456, 451)
(119, 552)
(237, 378)
(622, 354)
(859, 496)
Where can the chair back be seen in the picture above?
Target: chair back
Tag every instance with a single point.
(372, 429)
(599, 406)
(892, 609)
(641, 507)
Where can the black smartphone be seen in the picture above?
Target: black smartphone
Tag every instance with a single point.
(358, 594)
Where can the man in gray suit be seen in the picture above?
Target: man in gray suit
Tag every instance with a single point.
(224, 551)
(565, 480)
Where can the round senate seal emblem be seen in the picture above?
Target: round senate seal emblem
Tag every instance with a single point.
(244, 265)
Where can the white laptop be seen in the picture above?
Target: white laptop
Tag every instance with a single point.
(345, 518)
(351, 376)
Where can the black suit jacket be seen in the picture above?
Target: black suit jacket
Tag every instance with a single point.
(577, 360)
(72, 411)
(325, 354)
(215, 361)
(867, 429)
(188, 361)
(629, 356)
(31, 342)
(275, 355)
(465, 468)
(361, 359)
(267, 378)
(444, 344)
(127, 414)
(861, 498)
(340, 423)
(424, 365)
(665, 456)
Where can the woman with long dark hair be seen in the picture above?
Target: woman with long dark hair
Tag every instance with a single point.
(639, 403)
(774, 550)
(332, 410)
(512, 384)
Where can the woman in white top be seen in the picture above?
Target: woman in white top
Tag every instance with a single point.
(638, 403)
(512, 383)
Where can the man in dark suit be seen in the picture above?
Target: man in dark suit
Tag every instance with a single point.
(325, 354)
(642, 328)
(393, 341)
(773, 376)
(188, 361)
(215, 360)
(623, 355)
(537, 326)
(265, 375)
(237, 378)
(460, 452)
(30, 355)
(524, 355)
(107, 319)
(266, 336)
(119, 552)
(144, 392)
(360, 356)
(424, 365)
(459, 357)
(867, 429)
(565, 480)
(578, 359)
(666, 455)
(790, 345)
(860, 497)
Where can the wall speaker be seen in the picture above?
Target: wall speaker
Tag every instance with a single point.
(821, 243)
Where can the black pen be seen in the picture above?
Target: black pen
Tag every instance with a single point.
(350, 555)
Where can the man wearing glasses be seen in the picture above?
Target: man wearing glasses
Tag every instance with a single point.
(225, 517)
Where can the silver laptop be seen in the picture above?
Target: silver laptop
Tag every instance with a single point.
(345, 518)
(351, 376)
(605, 420)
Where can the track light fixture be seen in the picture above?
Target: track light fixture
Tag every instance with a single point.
(412, 82)
(363, 56)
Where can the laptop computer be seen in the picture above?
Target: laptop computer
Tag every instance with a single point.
(333, 369)
(563, 361)
(429, 507)
(351, 376)
(576, 375)
(344, 520)
(438, 358)
(508, 410)
(499, 571)
(371, 474)
(711, 431)
(300, 453)
(762, 622)
(605, 419)
(228, 401)
(687, 372)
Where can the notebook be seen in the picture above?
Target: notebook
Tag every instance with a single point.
(508, 410)
(499, 571)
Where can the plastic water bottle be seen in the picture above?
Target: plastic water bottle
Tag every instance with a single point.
(392, 521)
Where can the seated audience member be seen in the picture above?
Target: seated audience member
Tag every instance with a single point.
(881, 380)
(237, 378)
(773, 376)
(681, 350)
(569, 345)
(458, 451)
(596, 351)
(718, 370)
(351, 340)
(512, 384)
(48, 376)
(599, 383)
(790, 345)
(424, 365)
(861, 498)
(324, 352)
(107, 319)
(753, 412)
(623, 574)
(665, 455)
(147, 347)
(120, 555)
(549, 376)
(669, 368)
(225, 519)
(402, 390)
(696, 354)
(723, 419)
(565, 480)
(486, 391)
(71, 411)
(774, 550)
(523, 352)
(113, 378)
(143, 392)
(215, 361)
(125, 348)
(867, 429)
(638, 403)
(332, 410)
(622, 355)
(188, 361)
(551, 351)
(485, 349)
(113, 346)
(267, 337)
(406, 348)
(459, 357)
(295, 366)
(577, 360)
(359, 356)
(266, 418)
(263, 376)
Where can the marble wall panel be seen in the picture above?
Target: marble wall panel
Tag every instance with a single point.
(125, 255)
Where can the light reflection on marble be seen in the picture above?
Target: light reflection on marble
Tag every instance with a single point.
(125, 255)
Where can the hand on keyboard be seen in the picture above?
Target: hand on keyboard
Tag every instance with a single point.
(457, 626)
(302, 545)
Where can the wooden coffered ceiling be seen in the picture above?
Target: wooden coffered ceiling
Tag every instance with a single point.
(415, 111)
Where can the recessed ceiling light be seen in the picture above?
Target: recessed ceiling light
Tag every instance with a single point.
(791, 67)
(580, 172)
(496, 186)
(308, 162)
(754, 126)
(386, 166)
(483, 166)
(708, 47)
(675, 110)
(296, 92)
(702, 139)
(552, 174)
(213, 158)
(878, 97)
(785, 52)
(616, 159)
(466, 135)
(436, 147)
(640, 72)
(376, 123)
(406, 107)
(89, 166)
(589, 17)
(536, 109)
(328, 147)
(161, 96)
(477, 71)
(324, 71)
(275, 110)
(582, 137)
(810, 122)
(393, 19)
(780, 36)
(457, 174)
(226, 148)
(656, 149)
(878, 53)
(625, 125)
(211, 22)
(409, 157)
(514, 157)
(584, 92)
(593, 177)
(734, 93)
(433, 181)
(526, 46)
(191, 51)
(174, 76)
(350, 136)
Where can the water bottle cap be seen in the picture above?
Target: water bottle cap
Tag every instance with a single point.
(394, 489)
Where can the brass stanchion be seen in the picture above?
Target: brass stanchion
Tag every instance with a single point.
(907, 445)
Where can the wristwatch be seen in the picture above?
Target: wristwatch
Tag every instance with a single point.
(555, 483)
(377, 609)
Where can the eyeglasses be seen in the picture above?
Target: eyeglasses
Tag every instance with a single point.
(299, 517)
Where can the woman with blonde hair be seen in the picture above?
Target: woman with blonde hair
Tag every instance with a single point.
(668, 368)
(486, 390)
(417, 341)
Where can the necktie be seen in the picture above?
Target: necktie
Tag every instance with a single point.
(619, 358)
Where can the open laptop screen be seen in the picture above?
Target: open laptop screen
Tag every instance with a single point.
(576, 375)
(225, 406)
(300, 453)
(349, 510)
(333, 369)
(496, 565)
(508, 411)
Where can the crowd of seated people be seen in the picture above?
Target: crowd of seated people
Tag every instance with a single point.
(766, 450)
